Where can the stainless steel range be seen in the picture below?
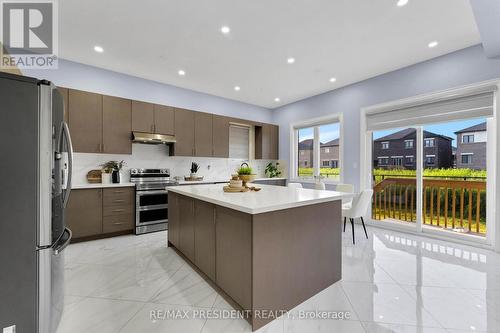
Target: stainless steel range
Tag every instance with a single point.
(151, 199)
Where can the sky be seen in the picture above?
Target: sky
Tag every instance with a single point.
(326, 133)
(447, 129)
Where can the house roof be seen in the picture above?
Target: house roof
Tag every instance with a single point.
(400, 135)
(476, 128)
(306, 144)
(331, 143)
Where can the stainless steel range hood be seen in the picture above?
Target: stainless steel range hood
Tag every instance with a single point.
(150, 138)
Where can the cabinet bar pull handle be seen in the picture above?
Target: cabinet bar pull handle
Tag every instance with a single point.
(118, 210)
(118, 200)
(118, 223)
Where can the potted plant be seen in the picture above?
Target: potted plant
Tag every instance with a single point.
(272, 171)
(194, 169)
(245, 173)
(112, 168)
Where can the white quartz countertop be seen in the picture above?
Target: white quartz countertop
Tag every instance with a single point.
(100, 185)
(269, 198)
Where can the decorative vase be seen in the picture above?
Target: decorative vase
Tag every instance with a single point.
(246, 179)
(116, 178)
(106, 178)
(194, 175)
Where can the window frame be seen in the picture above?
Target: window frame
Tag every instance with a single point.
(409, 146)
(385, 145)
(471, 155)
(468, 140)
(433, 140)
(294, 140)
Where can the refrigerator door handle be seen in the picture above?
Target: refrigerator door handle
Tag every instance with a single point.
(65, 133)
(63, 241)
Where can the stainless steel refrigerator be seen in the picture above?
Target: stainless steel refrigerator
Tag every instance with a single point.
(35, 182)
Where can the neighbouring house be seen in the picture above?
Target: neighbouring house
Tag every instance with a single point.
(329, 154)
(399, 150)
(306, 153)
(471, 147)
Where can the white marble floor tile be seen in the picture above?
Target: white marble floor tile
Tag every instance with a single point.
(97, 315)
(133, 284)
(160, 318)
(375, 327)
(323, 326)
(186, 287)
(83, 279)
(456, 308)
(386, 303)
(392, 282)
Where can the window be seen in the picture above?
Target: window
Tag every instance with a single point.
(239, 142)
(385, 145)
(466, 158)
(408, 144)
(317, 146)
(429, 142)
(409, 160)
(468, 138)
(430, 159)
(397, 160)
(383, 160)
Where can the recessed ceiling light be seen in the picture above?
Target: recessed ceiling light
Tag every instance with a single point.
(402, 3)
(98, 49)
(433, 44)
(225, 30)
(333, 79)
(277, 99)
(181, 72)
(290, 60)
(237, 88)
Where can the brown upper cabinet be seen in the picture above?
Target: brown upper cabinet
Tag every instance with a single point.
(267, 142)
(99, 124)
(143, 119)
(117, 125)
(164, 119)
(85, 121)
(152, 118)
(184, 132)
(220, 136)
(203, 145)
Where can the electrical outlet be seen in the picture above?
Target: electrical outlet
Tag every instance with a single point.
(10, 329)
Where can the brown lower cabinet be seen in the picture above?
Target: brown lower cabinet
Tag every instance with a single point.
(96, 213)
(271, 261)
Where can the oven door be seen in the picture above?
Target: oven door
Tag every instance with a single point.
(151, 207)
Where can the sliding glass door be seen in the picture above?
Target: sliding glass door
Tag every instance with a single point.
(394, 178)
(429, 162)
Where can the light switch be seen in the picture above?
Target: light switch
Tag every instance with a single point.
(10, 329)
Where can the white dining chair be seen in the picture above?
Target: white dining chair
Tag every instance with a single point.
(345, 188)
(294, 185)
(358, 208)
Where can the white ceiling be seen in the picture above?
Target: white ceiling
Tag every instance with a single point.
(346, 39)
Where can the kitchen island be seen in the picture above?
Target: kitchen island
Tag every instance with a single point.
(268, 250)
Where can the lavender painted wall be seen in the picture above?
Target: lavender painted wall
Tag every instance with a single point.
(459, 68)
(78, 76)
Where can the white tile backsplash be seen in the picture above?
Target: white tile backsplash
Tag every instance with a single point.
(156, 156)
